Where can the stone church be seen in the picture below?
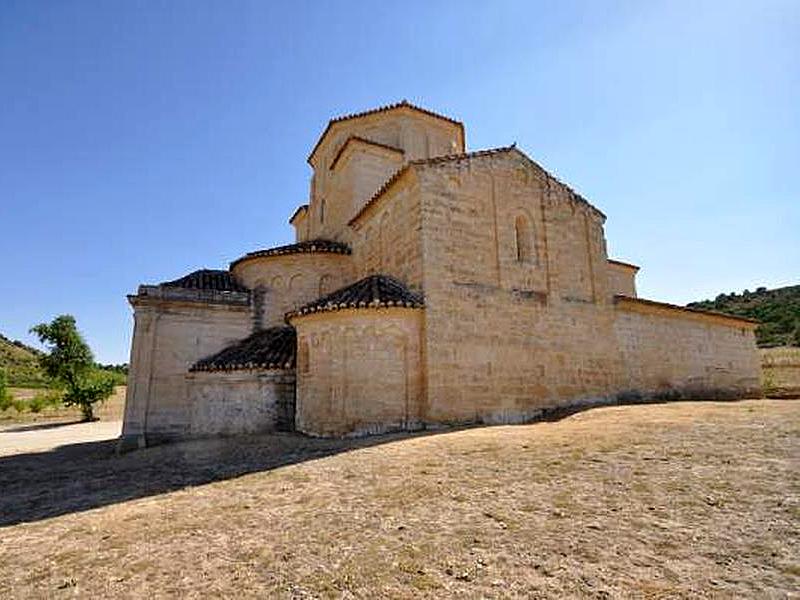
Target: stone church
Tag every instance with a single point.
(428, 286)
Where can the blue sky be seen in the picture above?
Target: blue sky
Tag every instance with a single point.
(142, 140)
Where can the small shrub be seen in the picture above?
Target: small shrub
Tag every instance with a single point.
(36, 404)
(47, 399)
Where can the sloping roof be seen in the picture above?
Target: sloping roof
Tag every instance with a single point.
(380, 109)
(300, 209)
(425, 161)
(623, 264)
(273, 348)
(374, 291)
(320, 246)
(622, 299)
(448, 158)
(207, 279)
(358, 139)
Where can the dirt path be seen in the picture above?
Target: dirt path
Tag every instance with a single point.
(21, 438)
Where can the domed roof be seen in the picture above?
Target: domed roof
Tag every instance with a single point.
(318, 245)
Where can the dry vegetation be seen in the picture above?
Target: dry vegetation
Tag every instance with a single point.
(110, 410)
(780, 372)
(686, 499)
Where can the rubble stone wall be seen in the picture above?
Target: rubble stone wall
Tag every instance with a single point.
(236, 402)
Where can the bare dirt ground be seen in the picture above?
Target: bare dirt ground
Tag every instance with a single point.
(673, 500)
(54, 427)
(16, 439)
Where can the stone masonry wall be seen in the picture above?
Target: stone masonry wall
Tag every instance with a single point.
(418, 135)
(504, 337)
(228, 403)
(291, 280)
(169, 336)
(359, 371)
(673, 351)
(622, 279)
(387, 239)
(359, 172)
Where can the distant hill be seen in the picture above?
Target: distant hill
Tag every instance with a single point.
(21, 364)
(778, 311)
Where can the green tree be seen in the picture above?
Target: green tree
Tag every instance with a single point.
(70, 363)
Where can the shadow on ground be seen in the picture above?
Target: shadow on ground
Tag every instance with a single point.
(40, 426)
(80, 477)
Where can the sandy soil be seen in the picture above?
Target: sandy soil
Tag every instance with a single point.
(673, 500)
(16, 439)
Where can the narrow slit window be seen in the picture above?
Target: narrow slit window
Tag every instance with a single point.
(302, 357)
(523, 237)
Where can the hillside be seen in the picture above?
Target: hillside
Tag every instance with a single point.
(778, 311)
(21, 364)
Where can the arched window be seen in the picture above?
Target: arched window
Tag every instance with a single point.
(523, 237)
(322, 210)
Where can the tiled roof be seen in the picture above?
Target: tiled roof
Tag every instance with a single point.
(465, 156)
(374, 291)
(356, 138)
(207, 279)
(321, 246)
(273, 348)
(388, 107)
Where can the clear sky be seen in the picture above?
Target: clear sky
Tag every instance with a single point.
(142, 140)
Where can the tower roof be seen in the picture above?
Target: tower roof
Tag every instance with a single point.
(403, 104)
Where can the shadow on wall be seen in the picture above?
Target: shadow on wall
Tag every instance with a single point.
(80, 477)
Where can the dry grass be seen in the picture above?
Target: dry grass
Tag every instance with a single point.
(110, 410)
(780, 372)
(685, 499)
